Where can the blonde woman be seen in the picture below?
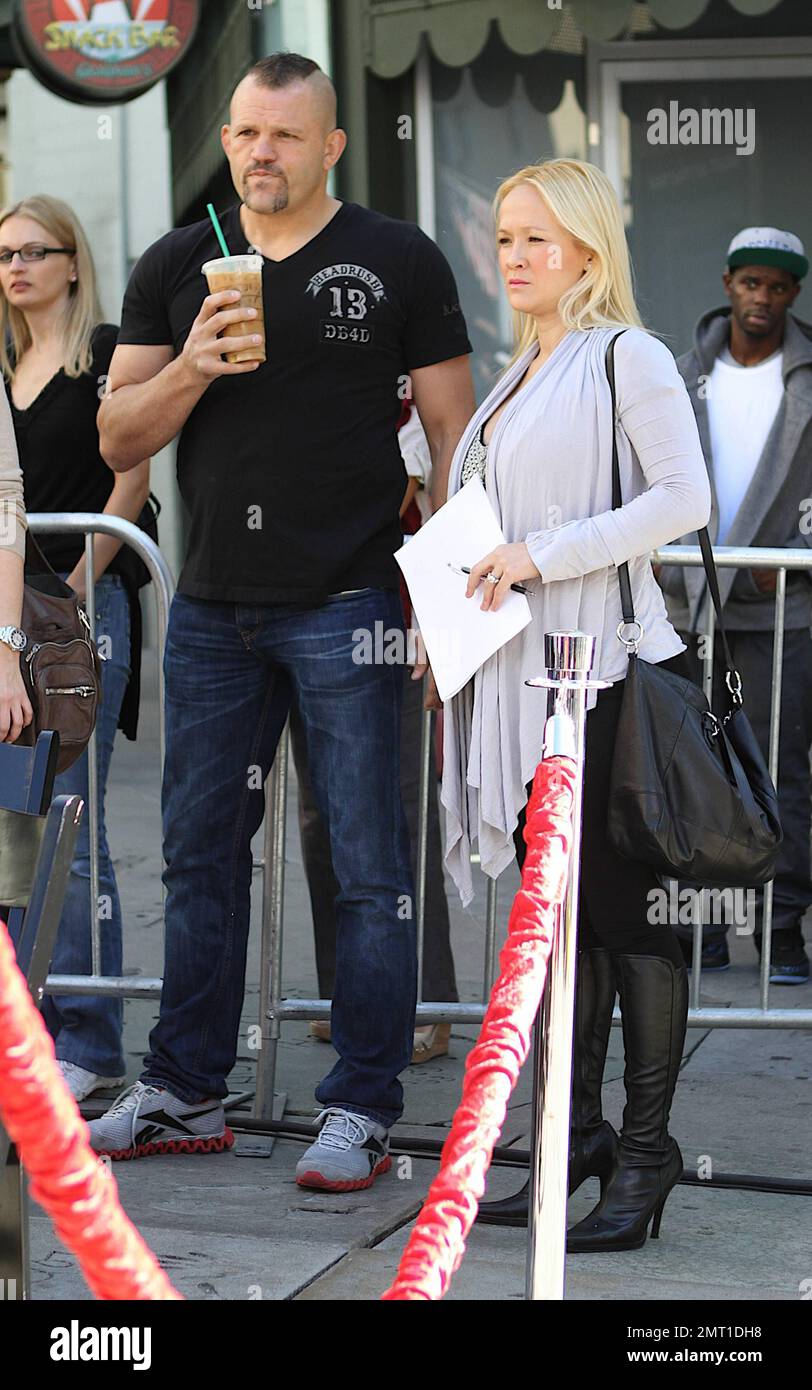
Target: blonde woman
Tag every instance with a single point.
(55, 353)
(542, 443)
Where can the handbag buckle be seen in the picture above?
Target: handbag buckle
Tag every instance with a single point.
(734, 685)
(632, 644)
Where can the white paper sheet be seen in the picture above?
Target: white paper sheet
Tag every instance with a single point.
(459, 637)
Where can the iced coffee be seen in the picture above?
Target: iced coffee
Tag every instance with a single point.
(243, 273)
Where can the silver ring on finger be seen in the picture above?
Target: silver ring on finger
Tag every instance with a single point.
(493, 578)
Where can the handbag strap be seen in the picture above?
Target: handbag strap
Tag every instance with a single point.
(732, 677)
(34, 556)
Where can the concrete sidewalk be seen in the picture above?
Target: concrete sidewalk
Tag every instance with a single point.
(235, 1226)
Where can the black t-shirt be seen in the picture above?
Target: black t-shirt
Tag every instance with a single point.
(58, 445)
(292, 473)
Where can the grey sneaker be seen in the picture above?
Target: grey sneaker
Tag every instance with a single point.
(82, 1083)
(148, 1120)
(350, 1152)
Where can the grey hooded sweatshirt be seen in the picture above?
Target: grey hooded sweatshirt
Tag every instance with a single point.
(777, 507)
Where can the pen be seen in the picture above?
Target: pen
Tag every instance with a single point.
(465, 569)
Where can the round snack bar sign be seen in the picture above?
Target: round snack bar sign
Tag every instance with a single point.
(104, 50)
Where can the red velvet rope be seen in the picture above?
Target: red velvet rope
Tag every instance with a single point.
(437, 1243)
(66, 1178)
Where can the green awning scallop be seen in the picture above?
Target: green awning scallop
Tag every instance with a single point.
(457, 30)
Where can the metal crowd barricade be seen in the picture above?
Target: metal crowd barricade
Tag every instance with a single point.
(735, 557)
(90, 524)
(276, 1009)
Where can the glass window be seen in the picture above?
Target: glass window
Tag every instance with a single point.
(490, 119)
(685, 202)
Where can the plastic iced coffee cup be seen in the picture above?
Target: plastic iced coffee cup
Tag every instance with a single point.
(243, 273)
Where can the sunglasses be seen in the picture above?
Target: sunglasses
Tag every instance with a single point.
(34, 252)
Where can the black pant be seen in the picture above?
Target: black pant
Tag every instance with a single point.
(615, 895)
(753, 654)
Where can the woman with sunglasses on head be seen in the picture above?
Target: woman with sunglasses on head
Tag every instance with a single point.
(542, 444)
(55, 352)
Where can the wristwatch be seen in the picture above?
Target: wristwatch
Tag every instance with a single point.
(14, 637)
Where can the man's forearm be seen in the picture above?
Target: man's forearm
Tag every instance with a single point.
(137, 421)
(125, 502)
(442, 452)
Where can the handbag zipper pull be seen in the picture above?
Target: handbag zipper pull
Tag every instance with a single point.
(83, 690)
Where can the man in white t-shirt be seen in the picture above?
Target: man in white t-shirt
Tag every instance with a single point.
(749, 376)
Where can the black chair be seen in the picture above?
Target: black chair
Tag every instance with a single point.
(37, 842)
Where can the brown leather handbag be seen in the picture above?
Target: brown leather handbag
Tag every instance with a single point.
(60, 665)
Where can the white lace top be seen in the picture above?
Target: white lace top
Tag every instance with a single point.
(475, 463)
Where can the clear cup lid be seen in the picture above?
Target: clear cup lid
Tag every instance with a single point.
(232, 263)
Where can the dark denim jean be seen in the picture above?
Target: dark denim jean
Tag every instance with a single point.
(87, 1028)
(230, 671)
(439, 979)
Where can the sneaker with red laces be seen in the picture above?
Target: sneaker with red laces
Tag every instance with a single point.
(147, 1119)
(351, 1152)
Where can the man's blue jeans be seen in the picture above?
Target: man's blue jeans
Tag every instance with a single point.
(87, 1028)
(230, 670)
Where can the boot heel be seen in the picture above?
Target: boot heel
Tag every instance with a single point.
(658, 1216)
(605, 1172)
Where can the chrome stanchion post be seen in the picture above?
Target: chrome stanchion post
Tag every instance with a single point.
(273, 901)
(568, 657)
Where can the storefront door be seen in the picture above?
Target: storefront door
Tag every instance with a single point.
(700, 146)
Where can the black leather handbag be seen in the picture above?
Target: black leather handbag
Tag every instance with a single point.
(690, 792)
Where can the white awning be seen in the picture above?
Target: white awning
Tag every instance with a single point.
(457, 30)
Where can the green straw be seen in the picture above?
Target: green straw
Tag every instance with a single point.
(216, 225)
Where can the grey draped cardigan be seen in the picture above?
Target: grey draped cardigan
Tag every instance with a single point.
(549, 481)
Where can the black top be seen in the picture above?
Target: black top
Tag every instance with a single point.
(58, 444)
(63, 471)
(292, 473)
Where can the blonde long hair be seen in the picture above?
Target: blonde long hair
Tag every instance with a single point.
(583, 200)
(82, 311)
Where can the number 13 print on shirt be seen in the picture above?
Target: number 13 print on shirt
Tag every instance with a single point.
(357, 292)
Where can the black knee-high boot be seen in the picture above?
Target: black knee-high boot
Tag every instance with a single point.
(592, 1140)
(654, 1007)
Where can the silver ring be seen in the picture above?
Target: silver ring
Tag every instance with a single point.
(631, 644)
(493, 578)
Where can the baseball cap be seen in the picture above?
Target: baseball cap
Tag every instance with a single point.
(768, 246)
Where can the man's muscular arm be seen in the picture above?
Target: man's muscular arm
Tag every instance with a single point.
(151, 393)
(444, 396)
